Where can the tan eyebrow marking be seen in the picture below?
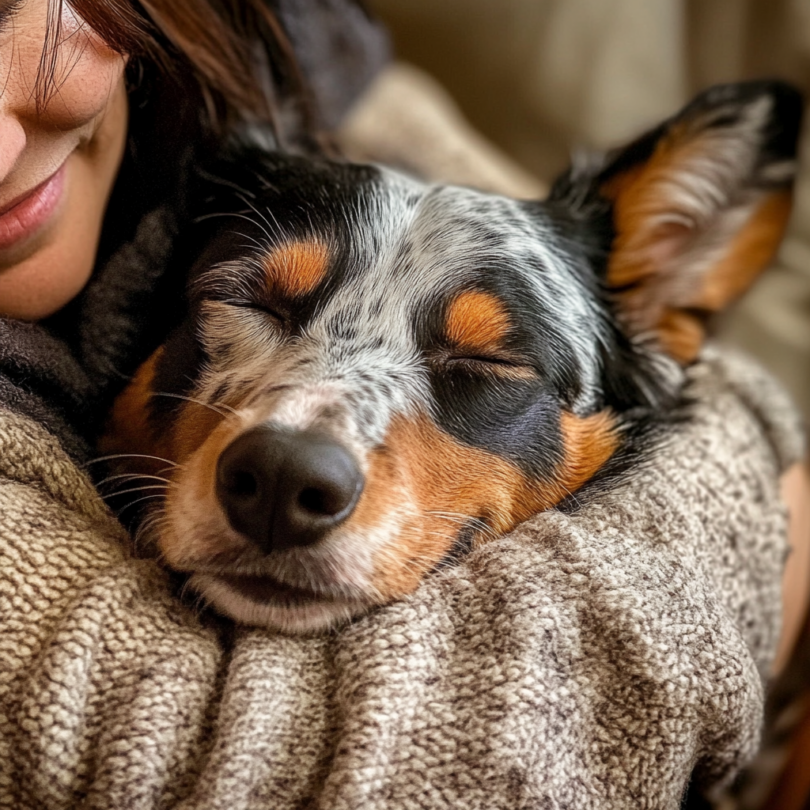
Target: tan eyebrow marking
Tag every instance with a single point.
(296, 268)
(476, 320)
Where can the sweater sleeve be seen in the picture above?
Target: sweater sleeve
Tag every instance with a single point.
(89, 638)
(602, 656)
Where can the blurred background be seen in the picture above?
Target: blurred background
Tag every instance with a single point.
(540, 77)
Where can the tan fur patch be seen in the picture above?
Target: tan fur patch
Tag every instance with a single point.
(439, 479)
(192, 428)
(199, 444)
(638, 199)
(655, 300)
(297, 268)
(746, 257)
(128, 429)
(447, 482)
(476, 320)
(589, 442)
(748, 254)
(196, 427)
(198, 438)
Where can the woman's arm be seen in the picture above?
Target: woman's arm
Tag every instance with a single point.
(796, 580)
(590, 658)
(103, 671)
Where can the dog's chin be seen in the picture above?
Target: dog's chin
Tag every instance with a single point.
(263, 602)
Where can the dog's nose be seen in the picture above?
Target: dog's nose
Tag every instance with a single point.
(284, 488)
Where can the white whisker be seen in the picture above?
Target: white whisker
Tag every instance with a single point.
(163, 487)
(192, 400)
(131, 455)
(138, 500)
(132, 477)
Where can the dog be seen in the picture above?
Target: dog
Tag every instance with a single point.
(375, 374)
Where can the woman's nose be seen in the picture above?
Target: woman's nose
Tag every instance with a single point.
(12, 143)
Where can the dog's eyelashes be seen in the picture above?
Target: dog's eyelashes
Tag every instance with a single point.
(499, 366)
(493, 361)
(263, 309)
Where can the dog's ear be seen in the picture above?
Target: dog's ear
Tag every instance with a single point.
(697, 209)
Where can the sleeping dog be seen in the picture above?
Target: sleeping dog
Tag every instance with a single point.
(376, 373)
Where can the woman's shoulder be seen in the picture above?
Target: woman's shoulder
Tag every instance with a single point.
(42, 383)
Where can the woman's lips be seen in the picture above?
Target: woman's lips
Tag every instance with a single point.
(27, 215)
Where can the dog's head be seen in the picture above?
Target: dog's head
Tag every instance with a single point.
(376, 372)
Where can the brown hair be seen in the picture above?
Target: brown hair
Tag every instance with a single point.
(235, 50)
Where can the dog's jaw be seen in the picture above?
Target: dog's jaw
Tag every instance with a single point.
(297, 590)
(423, 489)
(301, 614)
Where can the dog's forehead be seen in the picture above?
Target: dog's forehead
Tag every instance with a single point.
(401, 246)
(442, 238)
(376, 267)
(413, 247)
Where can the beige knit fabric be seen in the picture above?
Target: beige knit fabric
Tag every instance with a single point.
(590, 659)
(406, 119)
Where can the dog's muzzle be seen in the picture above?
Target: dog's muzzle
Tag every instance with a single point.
(284, 489)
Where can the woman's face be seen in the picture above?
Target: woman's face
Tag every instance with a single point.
(59, 154)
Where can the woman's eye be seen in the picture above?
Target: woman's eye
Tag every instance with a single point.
(7, 11)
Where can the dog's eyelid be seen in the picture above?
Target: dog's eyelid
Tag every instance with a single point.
(264, 309)
(501, 365)
(484, 358)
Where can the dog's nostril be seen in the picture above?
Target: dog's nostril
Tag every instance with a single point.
(284, 488)
(242, 484)
(316, 500)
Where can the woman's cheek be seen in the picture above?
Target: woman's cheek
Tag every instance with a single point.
(86, 75)
(62, 263)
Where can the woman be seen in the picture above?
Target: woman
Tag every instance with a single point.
(106, 108)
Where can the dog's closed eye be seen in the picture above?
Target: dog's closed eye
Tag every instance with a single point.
(498, 366)
(265, 310)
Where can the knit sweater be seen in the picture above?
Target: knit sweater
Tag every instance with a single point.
(598, 657)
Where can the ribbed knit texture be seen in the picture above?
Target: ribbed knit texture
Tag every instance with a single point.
(589, 660)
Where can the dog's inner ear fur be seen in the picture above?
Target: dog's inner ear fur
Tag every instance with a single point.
(699, 208)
